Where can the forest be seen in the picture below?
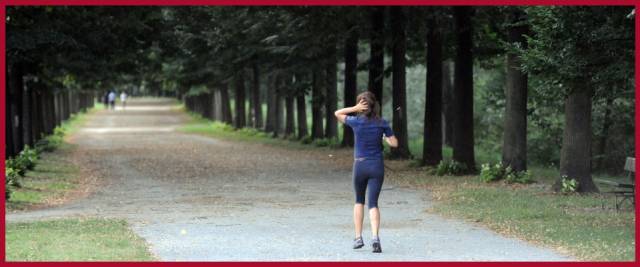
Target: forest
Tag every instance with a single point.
(526, 86)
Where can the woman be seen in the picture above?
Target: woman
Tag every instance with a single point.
(368, 168)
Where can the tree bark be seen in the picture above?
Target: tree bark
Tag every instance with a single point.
(316, 104)
(463, 143)
(575, 155)
(277, 126)
(27, 135)
(257, 104)
(350, 80)
(225, 104)
(514, 148)
(15, 102)
(331, 103)
(376, 59)
(240, 100)
(398, 66)
(432, 145)
(290, 118)
(301, 107)
(271, 104)
(447, 98)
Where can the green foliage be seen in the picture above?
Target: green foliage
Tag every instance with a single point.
(306, 140)
(451, 167)
(28, 157)
(569, 185)
(497, 172)
(50, 143)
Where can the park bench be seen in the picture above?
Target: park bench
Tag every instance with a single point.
(623, 191)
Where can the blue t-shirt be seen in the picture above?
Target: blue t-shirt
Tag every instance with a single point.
(368, 136)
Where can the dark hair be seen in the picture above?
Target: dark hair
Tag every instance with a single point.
(374, 107)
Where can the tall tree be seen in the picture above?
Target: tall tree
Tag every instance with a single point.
(376, 58)
(255, 94)
(514, 149)
(317, 99)
(331, 101)
(463, 144)
(350, 78)
(432, 145)
(240, 100)
(399, 88)
(595, 57)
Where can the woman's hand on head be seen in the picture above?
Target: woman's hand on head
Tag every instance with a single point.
(361, 106)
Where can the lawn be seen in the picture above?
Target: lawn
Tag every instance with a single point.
(573, 224)
(54, 177)
(74, 240)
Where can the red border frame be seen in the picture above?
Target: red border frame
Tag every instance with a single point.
(314, 3)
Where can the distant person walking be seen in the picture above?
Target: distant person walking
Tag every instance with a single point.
(105, 99)
(123, 99)
(112, 99)
(368, 167)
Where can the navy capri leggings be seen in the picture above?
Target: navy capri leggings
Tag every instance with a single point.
(368, 173)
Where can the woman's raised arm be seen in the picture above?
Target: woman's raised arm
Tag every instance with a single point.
(341, 114)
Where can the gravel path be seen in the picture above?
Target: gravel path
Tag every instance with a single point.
(196, 198)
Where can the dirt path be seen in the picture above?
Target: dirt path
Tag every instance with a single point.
(196, 198)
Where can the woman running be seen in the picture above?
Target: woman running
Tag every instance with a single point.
(368, 168)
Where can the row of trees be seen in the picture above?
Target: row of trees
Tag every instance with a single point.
(219, 58)
(57, 62)
(568, 55)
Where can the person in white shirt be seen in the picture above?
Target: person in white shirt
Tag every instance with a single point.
(112, 99)
(123, 99)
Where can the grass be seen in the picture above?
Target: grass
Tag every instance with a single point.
(200, 125)
(573, 224)
(74, 240)
(53, 177)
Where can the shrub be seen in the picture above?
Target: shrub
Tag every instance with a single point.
(450, 167)
(12, 177)
(322, 142)
(569, 185)
(496, 172)
(28, 157)
(16, 165)
(306, 140)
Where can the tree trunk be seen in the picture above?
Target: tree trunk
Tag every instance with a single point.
(432, 145)
(316, 104)
(226, 104)
(447, 98)
(27, 135)
(514, 148)
(240, 100)
(398, 66)
(278, 112)
(575, 155)
(350, 80)
(257, 104)
(271, 104)
(15, 102)
(301, 106)
(463, 144)
(331, 104)
(376, 59)
(290, 118)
